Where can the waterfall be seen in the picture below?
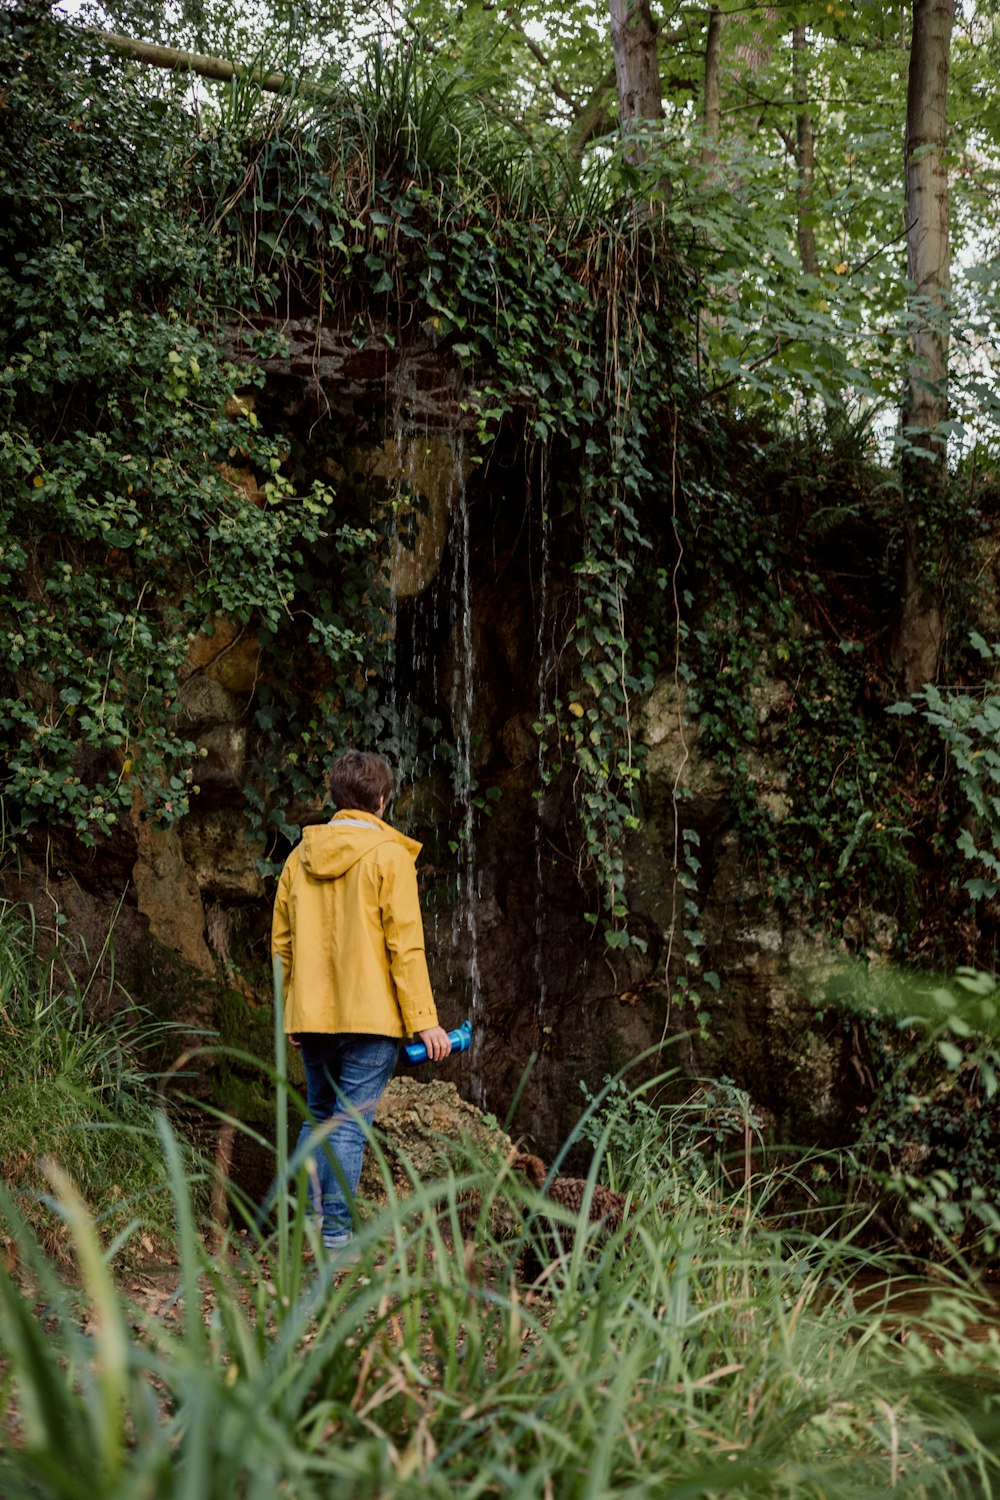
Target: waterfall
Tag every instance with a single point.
(545, 659)
(441, 664)
(465, 927)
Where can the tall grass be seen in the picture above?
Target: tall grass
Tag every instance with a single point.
(406, 132)
(699, 1350)
(77, 1090)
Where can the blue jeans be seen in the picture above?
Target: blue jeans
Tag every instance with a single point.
(341, 1069)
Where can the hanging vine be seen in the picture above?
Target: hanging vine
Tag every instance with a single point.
(143, 498)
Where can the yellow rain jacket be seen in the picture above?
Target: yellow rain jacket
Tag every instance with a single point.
(348, 930)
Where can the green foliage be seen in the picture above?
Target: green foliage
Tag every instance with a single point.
(415, 210)
(140, 498)
(78, 1090)
(146, 499)
(693, 1349)
(379, 219)
(928, 1142)
(644, 1133)
(777, 673)
(968, 724)
(771, 331)
(850, 819)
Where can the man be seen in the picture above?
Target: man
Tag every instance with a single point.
(348, 931)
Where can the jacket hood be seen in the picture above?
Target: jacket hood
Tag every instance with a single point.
(329, 850)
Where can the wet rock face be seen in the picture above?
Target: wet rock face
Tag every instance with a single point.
(507, 941)
(168, 896)
(479, 639)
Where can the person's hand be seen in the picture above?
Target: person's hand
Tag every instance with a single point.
(437, 1042)
(293, 1038)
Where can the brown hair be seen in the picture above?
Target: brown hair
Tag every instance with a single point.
(360, 779)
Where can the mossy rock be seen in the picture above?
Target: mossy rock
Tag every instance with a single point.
(428, 1131)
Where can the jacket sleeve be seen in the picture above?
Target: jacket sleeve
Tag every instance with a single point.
(404, 941)
(281, 924)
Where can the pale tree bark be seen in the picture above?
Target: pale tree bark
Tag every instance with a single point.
(711, 126)
(591, 118)
(917, 647)
(180, 61)
(711, 103)
(805, 154)
(637, 67)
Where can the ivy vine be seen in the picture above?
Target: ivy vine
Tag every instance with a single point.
(141, 497)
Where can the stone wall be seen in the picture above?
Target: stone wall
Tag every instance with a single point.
(508, 943)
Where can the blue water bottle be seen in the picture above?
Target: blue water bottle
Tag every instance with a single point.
(460, 1038)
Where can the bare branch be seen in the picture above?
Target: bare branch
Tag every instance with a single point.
(220, 68)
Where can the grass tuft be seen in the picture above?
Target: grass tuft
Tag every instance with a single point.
(690, 1353)
(78, 1092)
(701, 1347)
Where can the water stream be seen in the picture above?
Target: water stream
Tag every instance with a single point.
(545, 666)
(430, 529)
(465, 923)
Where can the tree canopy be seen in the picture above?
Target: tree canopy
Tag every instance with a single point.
(780, 126)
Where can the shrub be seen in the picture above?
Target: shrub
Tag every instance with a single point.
(693, 1351)
(76, 1091)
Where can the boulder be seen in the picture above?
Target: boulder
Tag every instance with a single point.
(428, 1129)
(218, 852)
(167, 894)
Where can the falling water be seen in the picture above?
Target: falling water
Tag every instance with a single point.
(465, 926)
(543, 643)
(442, 612)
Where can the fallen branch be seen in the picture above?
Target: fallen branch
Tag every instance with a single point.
(219, 68)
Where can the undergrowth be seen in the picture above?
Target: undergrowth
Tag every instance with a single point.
(77, 1090)
(701, 1348)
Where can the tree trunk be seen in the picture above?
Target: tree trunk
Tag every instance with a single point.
(805, 154)
(924, 465)
(637, 67)
(593, 118)
(220, 68)
(711, 109)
